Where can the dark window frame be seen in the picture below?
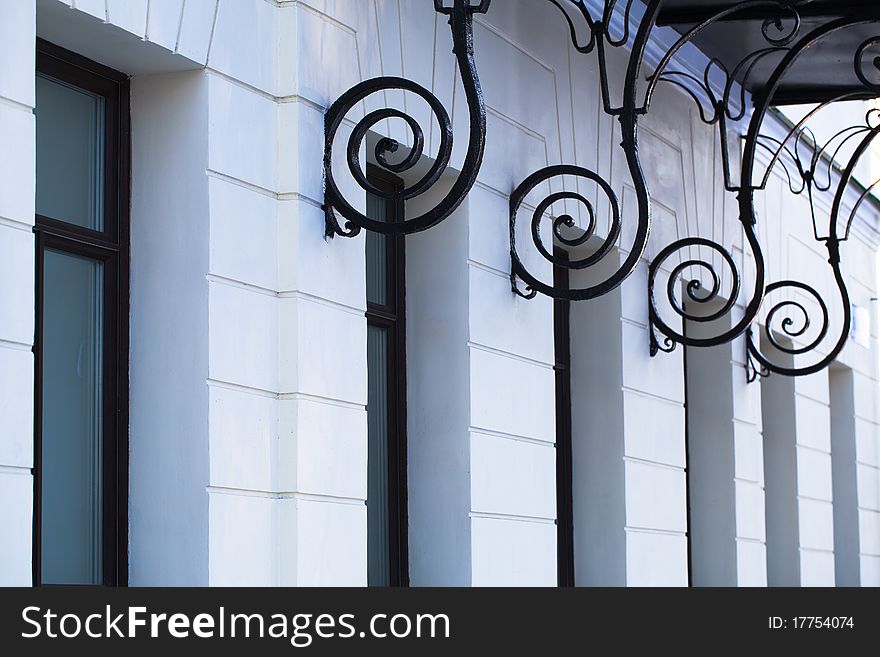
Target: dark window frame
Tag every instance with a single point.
(562, 371)
(111, 246)
(392, 317)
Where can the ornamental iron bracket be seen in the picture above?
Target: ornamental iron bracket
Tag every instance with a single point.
(335, 204)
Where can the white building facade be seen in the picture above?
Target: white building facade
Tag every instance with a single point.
(244, 458)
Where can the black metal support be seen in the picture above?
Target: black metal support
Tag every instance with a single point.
(461, 22)
(693, 279)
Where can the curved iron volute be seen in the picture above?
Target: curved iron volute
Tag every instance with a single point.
(335, 205)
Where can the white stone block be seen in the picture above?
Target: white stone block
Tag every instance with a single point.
(816, 525)
(242, 336)
(526, 409)
(16, 539)
(17, 29)
(328, 42)
(328, 269)
(867, 442)
(751, 563)
(163, 22)
(513, 553)
(869, 532)
(868, 487)
(322, 449)
(196, 26)
(130, 15)
(750, 511)
(242, 543)
(748, 452)
(655, 497)
(659, 376)
(242, 133)
(245, 43)
(655, 559)
(814, 474)
(499, 321)
(16, 407)
(330, 543)
(817, 568)
(96, 8)
(17, 167)
(243, 439)
(813, 424)
(512, 477)
(244, 234)
(16, 285)
(653, 429)
(323, 350)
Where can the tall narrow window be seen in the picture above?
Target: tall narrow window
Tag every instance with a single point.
(562, 369)
(386, 395)
(80, 487)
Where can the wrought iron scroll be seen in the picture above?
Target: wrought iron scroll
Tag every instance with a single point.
(790, 328)
(628, 114)
(336, 205)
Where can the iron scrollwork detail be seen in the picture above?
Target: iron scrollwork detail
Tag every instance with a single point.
(336, 205)
(628, 114)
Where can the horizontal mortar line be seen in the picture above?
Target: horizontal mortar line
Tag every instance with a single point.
(868, 464)
(213, 173)
(298, 196)
(16, 224)
(317, 399)
(16, 104)
(501, 352)
(268, 95)
(750, 482)
(15, 345)
(330, 303)
(284, 396)
(873, 555)
(746, 423)
(487, 515)
(802, 548)
(657, 464)
(240, 387)
(288, 294)
(524, 208)
(822, 402)
(749, 539)
(869, 420)
(635, 529)
(489, 269)
(16, 470)
(810, 448)
(513, 43)
(234, 282)
(330, 19)
(522, 127)
(511, 436)
(640, 325)
(653, 395)
(285, 495)
(810, 498)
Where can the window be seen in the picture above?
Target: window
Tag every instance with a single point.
(386, 395)
(81, 347)
(562, 369)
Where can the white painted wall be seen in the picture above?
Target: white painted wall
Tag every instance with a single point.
(266, 462)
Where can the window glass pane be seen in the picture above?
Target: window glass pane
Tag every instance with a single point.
(72, 414)
(377, 457)
(70, 153)
(377, 258)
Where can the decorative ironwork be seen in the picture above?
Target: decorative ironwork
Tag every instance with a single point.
(703, 281)
(461, 21)
(813, 175)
